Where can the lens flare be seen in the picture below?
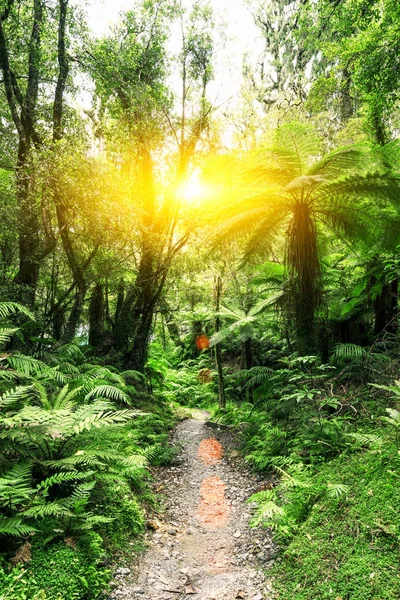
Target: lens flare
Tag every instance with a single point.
(194, 190)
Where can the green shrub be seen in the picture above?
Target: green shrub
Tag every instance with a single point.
(56, 572)
(114, 498)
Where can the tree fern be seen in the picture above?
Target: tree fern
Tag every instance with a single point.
(288, 187)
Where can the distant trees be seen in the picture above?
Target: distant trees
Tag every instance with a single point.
(129, 69)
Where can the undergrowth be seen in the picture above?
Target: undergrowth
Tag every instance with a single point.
(334, 450)
(77, 438)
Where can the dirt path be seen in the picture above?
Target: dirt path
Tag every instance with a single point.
(204, 550)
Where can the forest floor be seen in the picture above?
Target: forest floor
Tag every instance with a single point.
(203, 547)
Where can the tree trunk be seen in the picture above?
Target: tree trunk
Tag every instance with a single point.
(346, 104)
(96, 317)
(247, 361)
(218, 352)
(75, 314)
(386, 308)
(22, 106)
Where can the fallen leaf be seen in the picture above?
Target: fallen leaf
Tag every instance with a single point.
(70, 542)
(154, 524)
(240, 594)
(189, 589)
(23, 554)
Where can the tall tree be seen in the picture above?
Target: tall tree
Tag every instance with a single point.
(26, 73)
(129, 69)
(287, 188)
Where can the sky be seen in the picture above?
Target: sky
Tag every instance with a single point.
(242, 37)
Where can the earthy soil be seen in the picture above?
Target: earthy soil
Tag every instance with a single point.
(204, 548)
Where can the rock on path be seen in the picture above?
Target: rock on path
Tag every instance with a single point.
(205, 549)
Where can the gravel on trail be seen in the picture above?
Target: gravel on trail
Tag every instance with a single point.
(203, 549)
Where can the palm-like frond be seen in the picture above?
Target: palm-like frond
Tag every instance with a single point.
(340, 160)
(63, 399)
(15, 526)
(349, 351)
(68, 353)
(6, 333)
(131, 374)
(13, 308)
(378, 186)
(15, 395)
(296, 146)
(28, 365)
(108, 391)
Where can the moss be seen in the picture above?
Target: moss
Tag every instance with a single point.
(349, 548)
(56, 572)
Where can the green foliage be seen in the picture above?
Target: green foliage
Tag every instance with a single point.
(55, 572)
(335, 488)
(354, 528)
(192, 383)
(73, 465)
(114, 499)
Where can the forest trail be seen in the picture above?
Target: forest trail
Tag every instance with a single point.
(204, 548)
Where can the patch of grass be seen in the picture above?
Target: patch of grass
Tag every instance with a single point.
(347, 548)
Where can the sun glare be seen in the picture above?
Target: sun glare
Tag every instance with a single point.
(194, 190)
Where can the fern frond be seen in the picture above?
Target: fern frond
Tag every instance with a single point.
(135, 460)
(258, 376)
(131, 374)
(14, 526)
(48, 509)
(348, 351)
(69, 352)
(6, 333)
(62, 477)
(13, 308)
(15, 395)
(267, 509)
(108, 391)
(337, 490)
(367, 439)
(288, 481)
(393, 414)
(28, 365)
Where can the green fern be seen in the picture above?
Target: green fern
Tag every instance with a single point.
(348, 351)
(367, 440)
(15, 395)
(28, 365)
(337, 490)
(267, 510)
(110, 392)
(13, 308)
(15, 526)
